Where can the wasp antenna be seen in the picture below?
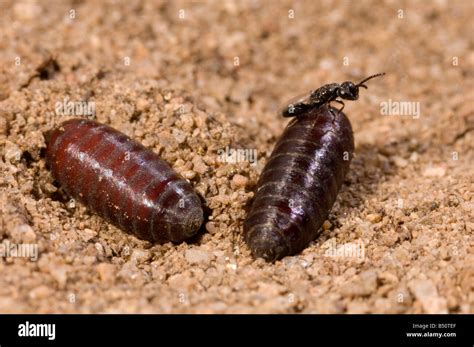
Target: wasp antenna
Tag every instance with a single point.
(370, 77)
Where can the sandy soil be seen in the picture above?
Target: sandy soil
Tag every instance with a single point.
(189, 79)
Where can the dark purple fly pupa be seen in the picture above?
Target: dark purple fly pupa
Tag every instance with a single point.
(299, 184)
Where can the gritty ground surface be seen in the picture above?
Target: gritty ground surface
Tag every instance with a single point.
(189, 79)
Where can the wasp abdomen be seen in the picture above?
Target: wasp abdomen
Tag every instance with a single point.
(299, 183)
(123, 181)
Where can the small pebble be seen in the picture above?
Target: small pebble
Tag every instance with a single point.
(196, 256)
(198, 165)
(239, 181)
(400, 162)
(129, 270)
(3, 124)
(425, 292)
(188, 122)
(211, 227)
(167, 96)
(26, 10)
(327, 225)
(26, 233)
(414, 157)
(88, 234)
(363, 285)
(374, 217)
(50, 188)
(434, 172)
(59, 273)
(142, 104)
(356, 307)
(106, 272)
(140, 256)
(41, 292)
(179, 136)
(11, 152)
(189, 174)
(99, 248)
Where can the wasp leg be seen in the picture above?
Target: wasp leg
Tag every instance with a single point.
(340, 102)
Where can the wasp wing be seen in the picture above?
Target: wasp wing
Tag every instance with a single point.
(297, 105)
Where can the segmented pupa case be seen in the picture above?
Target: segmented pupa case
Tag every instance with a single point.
(123, 181)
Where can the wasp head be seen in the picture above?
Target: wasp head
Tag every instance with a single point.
(348, 91)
